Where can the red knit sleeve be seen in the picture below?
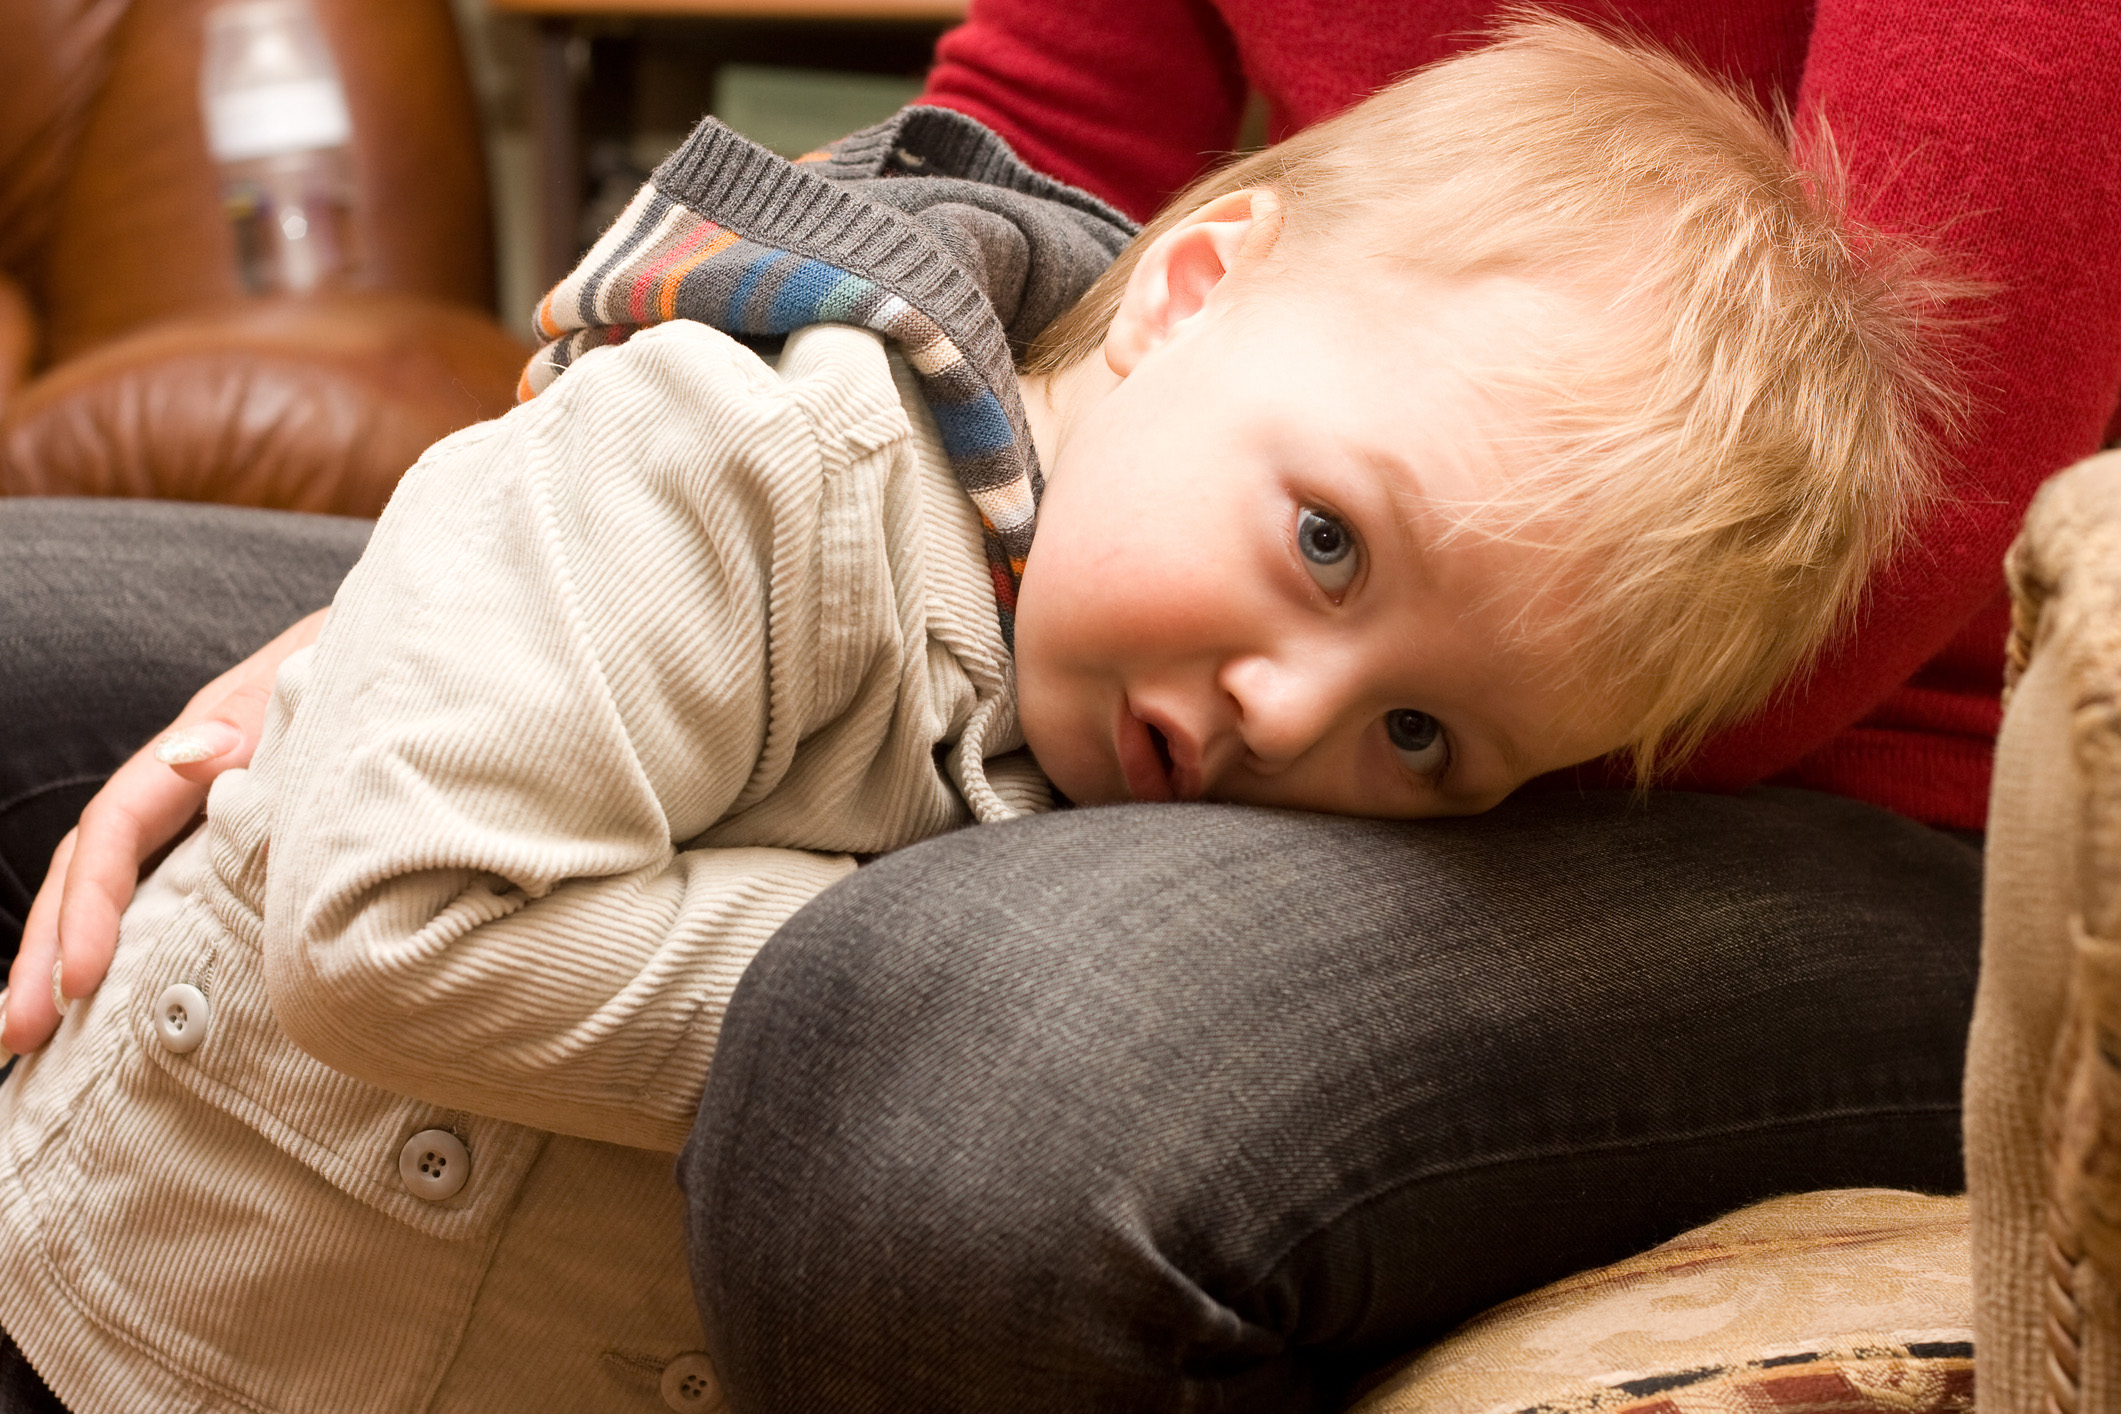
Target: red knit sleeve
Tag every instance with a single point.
(1128, 98)
(1990, 129)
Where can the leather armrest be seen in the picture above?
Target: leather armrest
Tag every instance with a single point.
(315, 404)
(18, 339)
(130, 230)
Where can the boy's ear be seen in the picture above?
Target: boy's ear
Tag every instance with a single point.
(1180, 269)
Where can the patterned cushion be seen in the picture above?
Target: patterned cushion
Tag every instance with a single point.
(1842, 1302)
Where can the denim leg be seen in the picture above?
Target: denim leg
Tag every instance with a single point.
(112, 613)
(22, 1389)
(1203, 1108)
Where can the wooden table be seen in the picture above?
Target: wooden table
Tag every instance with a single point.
(555, 122)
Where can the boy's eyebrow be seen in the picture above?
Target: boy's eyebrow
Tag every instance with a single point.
(1511, 772)
(1400, 485)
(1506, 747)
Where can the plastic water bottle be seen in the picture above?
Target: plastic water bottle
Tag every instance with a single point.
(276, 123)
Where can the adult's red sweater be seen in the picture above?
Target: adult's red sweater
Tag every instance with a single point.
(1991, 129)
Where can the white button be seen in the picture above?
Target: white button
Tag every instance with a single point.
(434, 1164)
(689, 1385)
(182, 1018)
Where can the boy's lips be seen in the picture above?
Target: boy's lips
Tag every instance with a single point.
(1159, 761)
(1142, 758)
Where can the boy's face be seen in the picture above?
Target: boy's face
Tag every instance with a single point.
(1242, 587)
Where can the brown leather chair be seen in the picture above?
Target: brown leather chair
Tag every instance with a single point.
(132, 363)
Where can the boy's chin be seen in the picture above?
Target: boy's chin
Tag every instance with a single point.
(1086, 793)
(1076, 786)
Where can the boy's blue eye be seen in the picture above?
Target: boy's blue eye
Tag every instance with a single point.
(1419, 740)
(1328, 548)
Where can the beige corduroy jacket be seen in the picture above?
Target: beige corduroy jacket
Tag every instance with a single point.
(623, 680)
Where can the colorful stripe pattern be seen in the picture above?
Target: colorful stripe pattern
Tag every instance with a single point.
(662, 260)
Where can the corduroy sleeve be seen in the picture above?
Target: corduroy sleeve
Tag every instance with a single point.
(551, 666)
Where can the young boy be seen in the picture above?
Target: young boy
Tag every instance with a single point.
(1533, 411)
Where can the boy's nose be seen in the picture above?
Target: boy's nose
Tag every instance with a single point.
(1282, 711)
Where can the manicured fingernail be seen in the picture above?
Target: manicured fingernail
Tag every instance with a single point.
(6, 1055)
(201, 742)
(59, 998)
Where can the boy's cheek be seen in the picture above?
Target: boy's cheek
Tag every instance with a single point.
(1062, 747)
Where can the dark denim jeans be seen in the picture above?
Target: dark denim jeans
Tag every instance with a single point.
(1186, 1108)
(1201, 1108)
(112, 614)
(22, 1391)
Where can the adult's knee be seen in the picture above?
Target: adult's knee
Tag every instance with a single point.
(944, 1148)
(1108, 1103)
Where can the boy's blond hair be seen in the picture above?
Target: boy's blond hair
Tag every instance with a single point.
(1759, 423)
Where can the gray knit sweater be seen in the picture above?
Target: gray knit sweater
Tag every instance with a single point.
(926, 228)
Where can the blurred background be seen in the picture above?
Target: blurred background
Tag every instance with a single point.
(263, 252)
(581, 98)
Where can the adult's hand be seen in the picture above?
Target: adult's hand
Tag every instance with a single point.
(145, 804)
